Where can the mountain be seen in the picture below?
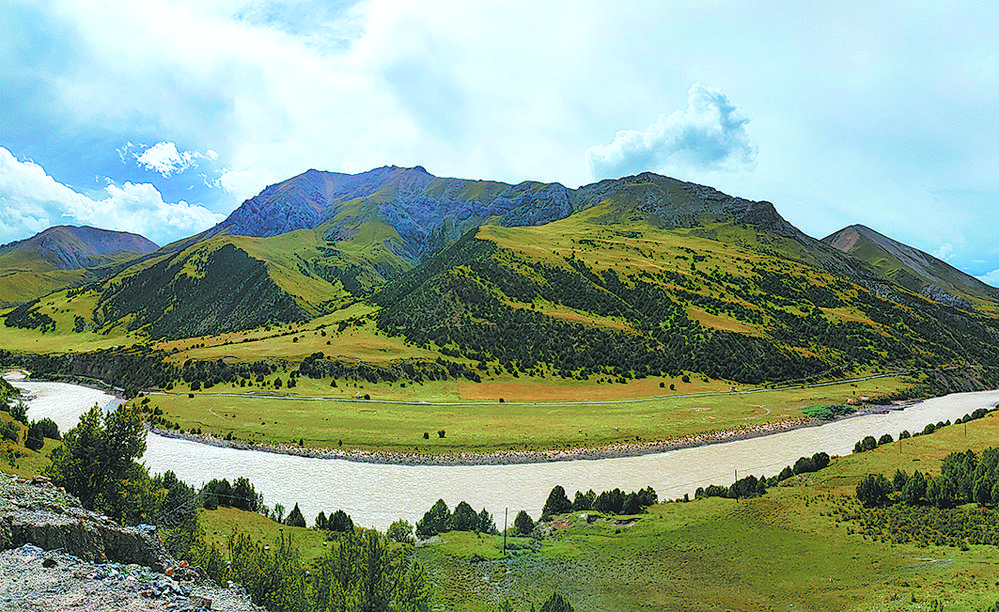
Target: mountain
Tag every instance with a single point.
(626, 278)
(323, 239)
(63, 256)
(602, 298)
(417, 209)
(915, 270)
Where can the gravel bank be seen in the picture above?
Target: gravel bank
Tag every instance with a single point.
(58, 556)
(35, 580)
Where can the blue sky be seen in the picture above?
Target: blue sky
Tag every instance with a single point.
(161, 117)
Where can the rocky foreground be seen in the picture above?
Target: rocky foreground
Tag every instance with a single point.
(58, 556)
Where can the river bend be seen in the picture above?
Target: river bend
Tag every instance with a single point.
(376, 494)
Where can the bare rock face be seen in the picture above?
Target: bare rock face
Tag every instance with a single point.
(38, 513)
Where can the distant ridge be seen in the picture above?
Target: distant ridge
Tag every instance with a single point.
(913, 269)
(70, 247)
(63, 256)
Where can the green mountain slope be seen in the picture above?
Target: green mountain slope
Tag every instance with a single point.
(628, 278)
(612, 301)
(915, 270)
(63, 256)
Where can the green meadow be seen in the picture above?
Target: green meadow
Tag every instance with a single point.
(787, 550)
(486, 425)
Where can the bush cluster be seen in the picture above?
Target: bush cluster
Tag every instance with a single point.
(440, 519)
(870, 442)
(361, 571)
(751, 486)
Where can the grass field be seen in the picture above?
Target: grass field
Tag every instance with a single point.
(218, 524)
(16, 459)
(469, 427)
(63, 339)
(784, 551)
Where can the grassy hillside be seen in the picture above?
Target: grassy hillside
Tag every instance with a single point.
(63, 256)
(915, 270)
(15, 458)
(789, 549)
(613, 301)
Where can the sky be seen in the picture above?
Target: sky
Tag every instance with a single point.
(161, 117)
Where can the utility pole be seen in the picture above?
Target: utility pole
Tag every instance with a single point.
(506, 515)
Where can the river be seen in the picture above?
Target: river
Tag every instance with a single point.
(374, 495)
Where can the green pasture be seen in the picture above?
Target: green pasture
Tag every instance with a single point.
(788, 550)
(63, 339)
(15, 458)
(216, 526)
(488, 426)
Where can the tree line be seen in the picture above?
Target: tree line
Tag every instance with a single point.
(751, 486)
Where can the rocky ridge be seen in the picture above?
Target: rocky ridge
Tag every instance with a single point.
(57, 556)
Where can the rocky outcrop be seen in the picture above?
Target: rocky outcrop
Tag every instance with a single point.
(38, 513)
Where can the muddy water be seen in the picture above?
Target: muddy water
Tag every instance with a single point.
(375, 495)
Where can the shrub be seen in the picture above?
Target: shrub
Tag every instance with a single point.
(804, 464)
(868, 443)
(340, 522)
(873, 490)
(885, 439)
(915, 489)
(583, 501)
(486, 523)
(464, 518)
(400, 531)
(19, 411)
(557, 503)
(523, 524)
(557, 603)
(49, 429)
(34, 439)
(434, 521)
(10, 431)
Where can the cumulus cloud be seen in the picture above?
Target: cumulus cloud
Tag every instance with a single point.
(992, 278)
(242, 184)
(31, 200)
(945, 252)
(163, 157)
(710, 134)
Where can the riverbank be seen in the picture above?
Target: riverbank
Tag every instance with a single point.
(513, 457)
(500, 456)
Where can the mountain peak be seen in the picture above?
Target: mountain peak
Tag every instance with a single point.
(912, 268)
(70, 247)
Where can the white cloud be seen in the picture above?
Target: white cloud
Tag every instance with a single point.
(710, 134)
(163, 157)
(945, 252)
(242, 184)
(852, 121)
(992, 278)
(31, 200)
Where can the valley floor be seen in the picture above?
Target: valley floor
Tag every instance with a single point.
(475, 432)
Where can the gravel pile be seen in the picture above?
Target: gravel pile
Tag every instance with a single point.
(58, 556)
(35, 580)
